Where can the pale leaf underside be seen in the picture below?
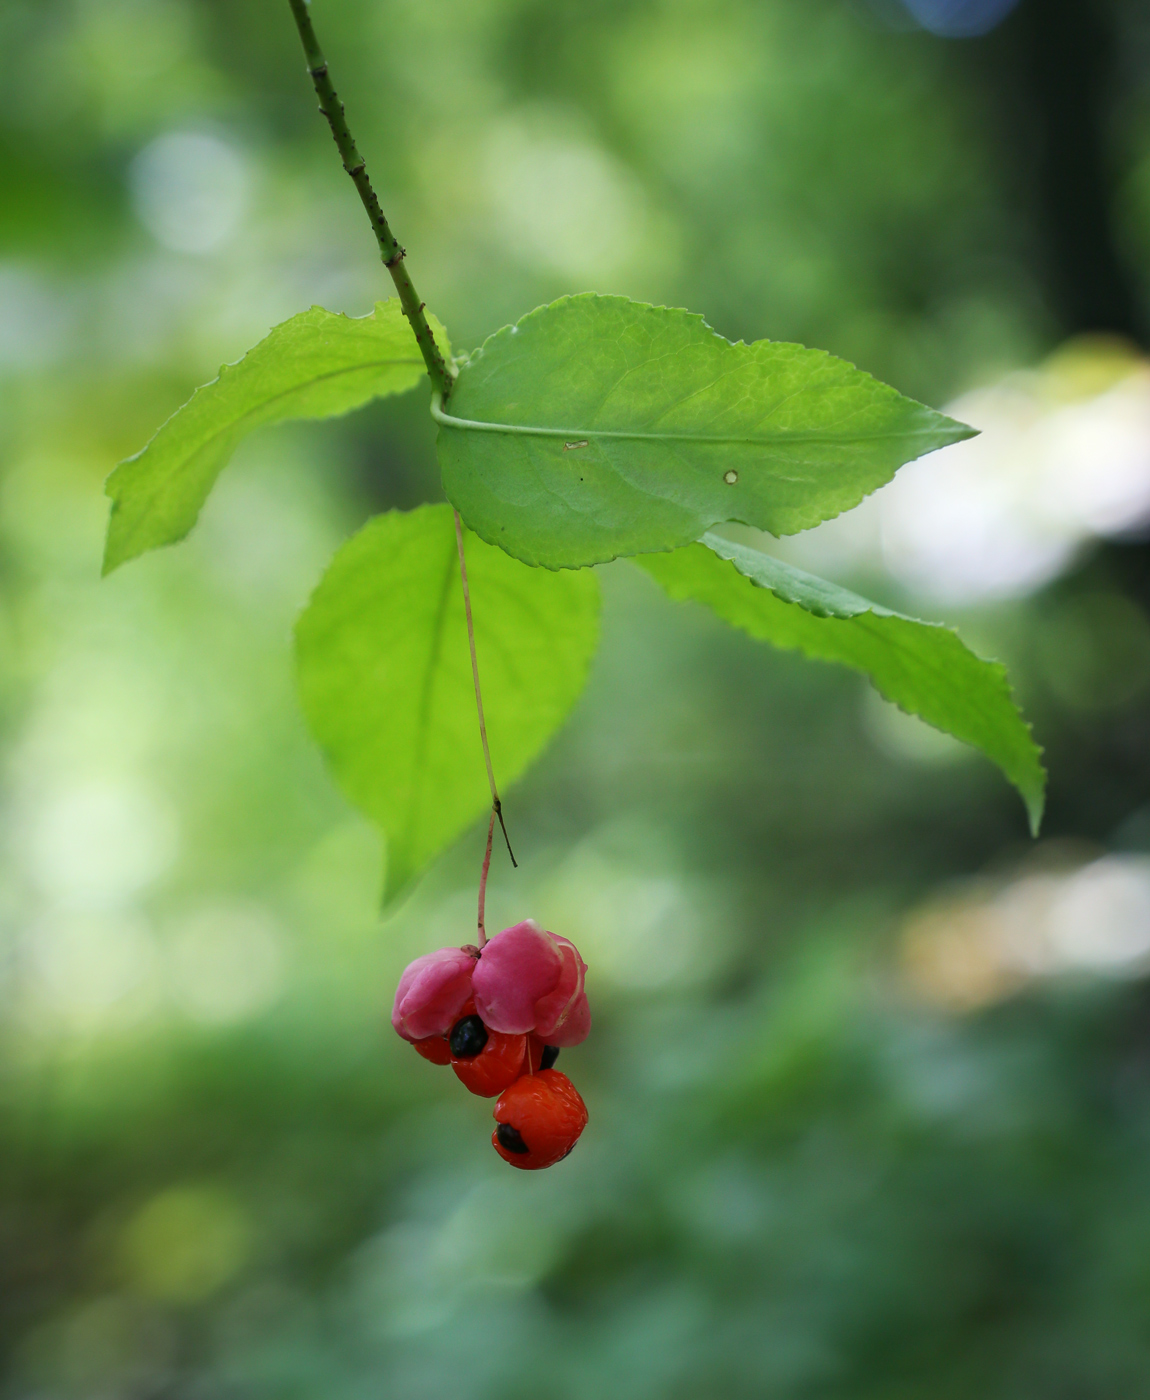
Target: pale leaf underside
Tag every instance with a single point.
(922, 667)
(316, 365)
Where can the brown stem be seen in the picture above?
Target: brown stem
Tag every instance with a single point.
(355, 165)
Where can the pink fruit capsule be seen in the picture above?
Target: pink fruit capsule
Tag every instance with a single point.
(527, 979)
(432, 992)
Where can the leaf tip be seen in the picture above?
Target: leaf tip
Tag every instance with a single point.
(1036, 805)
(958, 431)
(398, 882)
(115, 553)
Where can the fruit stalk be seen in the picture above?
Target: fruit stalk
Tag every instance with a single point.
(483, 878)
(496, 805)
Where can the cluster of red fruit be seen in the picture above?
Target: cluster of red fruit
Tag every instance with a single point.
(498, 1015)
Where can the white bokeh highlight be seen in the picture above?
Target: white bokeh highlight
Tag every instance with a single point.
(99, 844)
(984, 943)
(85, 970)
(560, 202)
(190, 190)
(1062, 459)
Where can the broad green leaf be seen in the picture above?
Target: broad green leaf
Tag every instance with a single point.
(385, 674)
(317, 365)
(922, 666)
(599, 426)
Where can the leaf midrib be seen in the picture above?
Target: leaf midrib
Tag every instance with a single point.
(448, 420)
(888, 623)
(235, 423)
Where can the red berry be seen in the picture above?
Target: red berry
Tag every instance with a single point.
(434, 1048)
(485, 1061)
(540, 1118)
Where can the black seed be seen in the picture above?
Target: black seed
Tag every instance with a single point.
(549, 1056)
(467, 1038)
(509, 1138)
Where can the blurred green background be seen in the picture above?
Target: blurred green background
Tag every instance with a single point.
(870, 1077)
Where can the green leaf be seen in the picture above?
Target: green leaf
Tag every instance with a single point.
(599, 426)
(385, 674)
(317, 365)
(922, 666)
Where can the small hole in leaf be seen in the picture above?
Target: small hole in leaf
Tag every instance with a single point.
(730, 477)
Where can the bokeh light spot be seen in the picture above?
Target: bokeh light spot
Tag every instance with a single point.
(190, 190)
(100, 843)
(227, 962)
(186, 1243)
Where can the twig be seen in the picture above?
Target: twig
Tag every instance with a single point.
(355, 165)
(441, 377)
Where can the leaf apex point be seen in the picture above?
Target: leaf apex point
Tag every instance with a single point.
(1035, 811)
(392, 893)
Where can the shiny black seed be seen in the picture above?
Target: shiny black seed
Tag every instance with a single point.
(509, 1138)
(467, 1038)
(550, 1055)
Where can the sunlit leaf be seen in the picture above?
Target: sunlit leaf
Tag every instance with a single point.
(599, 426)
(317, 365)
(385, 674)
(922, 666)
